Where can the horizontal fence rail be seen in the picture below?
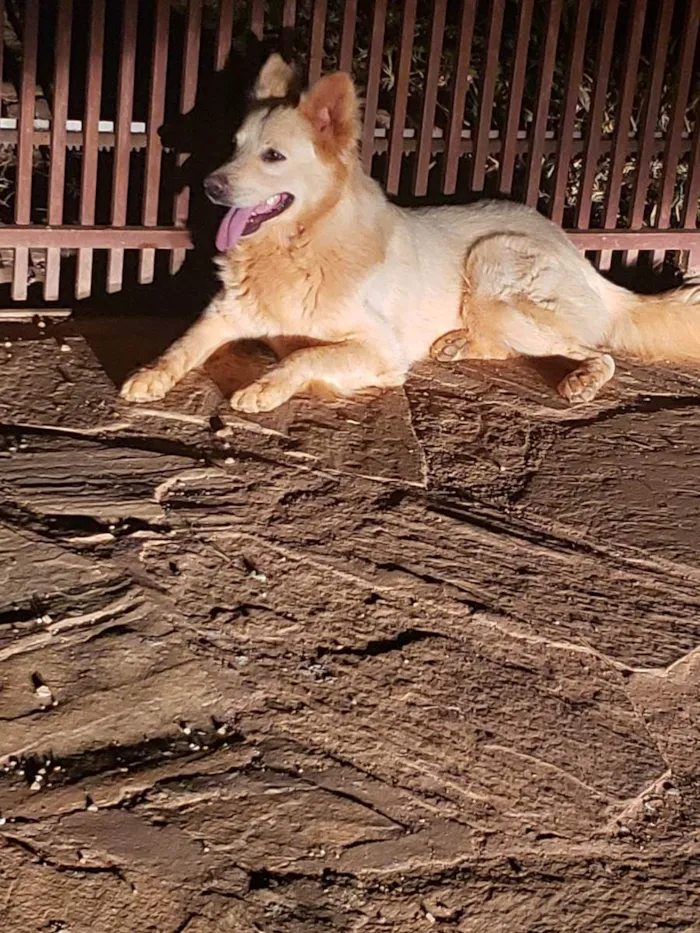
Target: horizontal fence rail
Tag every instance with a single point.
(144, 237)
(518, 143)
(585, 109)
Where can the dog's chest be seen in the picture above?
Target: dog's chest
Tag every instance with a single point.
(296, 291)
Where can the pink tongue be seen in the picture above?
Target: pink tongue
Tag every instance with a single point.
(231, 227)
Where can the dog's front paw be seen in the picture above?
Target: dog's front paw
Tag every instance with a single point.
(147, 385)
(263, 395)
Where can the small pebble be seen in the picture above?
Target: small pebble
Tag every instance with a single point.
(44, 695)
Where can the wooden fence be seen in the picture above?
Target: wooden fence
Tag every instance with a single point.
(587, 109)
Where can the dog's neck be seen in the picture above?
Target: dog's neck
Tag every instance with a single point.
(345, 224)
(347, 210)
(316, 267)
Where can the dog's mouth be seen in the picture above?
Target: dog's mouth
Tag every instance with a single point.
(242, 221)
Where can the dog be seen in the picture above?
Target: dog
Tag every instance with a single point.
(350, 290)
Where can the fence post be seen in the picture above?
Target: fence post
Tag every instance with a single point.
(58, 142)
(25, 144)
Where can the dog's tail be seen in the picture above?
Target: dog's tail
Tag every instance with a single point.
(654, 327)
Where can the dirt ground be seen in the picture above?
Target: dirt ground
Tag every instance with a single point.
(426, 662)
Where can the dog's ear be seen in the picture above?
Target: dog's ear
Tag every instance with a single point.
(331, 106)
(275, 79)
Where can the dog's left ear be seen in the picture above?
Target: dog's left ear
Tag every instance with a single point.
(275, 79)
(331, 106)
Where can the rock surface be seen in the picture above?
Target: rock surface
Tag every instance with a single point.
(428, 660)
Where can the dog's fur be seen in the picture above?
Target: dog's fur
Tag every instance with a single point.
(350, 290)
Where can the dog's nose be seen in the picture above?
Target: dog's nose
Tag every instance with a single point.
(216, 187)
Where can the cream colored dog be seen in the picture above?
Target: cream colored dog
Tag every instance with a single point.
(350, 290)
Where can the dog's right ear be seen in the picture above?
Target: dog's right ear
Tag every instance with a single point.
(331, 107)
(275, 79)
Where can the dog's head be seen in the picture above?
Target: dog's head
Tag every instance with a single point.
(291, 156)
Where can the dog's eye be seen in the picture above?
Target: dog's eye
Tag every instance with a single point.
(272, 155)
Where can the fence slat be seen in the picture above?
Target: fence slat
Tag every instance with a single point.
(650, 116)
(566, 123)
(88, 181)
(544, 90)
(257, 17)
(425, 139)
(401, 91)
(289, 17)
(347, 39)
(154, 147)
(677, 123)
(595, 119)
(224, 34)
(515, 99)
(188, 96)
(57, 173)
(318, 31)
(122, 147)
(373, 77)
(459, 97)
(649, 119)
(2, 48)
(623, 117)
(488, 89)
(25, 144)
(692, 201)
(289, 14)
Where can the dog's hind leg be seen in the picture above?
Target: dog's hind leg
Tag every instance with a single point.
(519, 300)
(534, 331)
(586, 381)
(529, 337)
(521, 334)
(481, 338)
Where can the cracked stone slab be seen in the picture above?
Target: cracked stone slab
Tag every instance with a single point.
(640, 612)
(60, 383)
(424, 660)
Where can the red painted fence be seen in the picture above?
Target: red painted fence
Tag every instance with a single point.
(587, 109)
